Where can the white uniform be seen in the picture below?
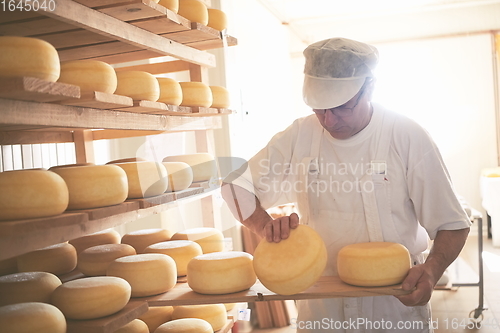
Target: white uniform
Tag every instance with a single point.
(388, 182)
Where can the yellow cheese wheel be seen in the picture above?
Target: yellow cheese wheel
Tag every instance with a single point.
(138, 85)
(135, 326)
(107, 236)
(210, 239)
(32, 317)
(173, 5)
(221, 272)
(89, 75)
(373, 264)
(196, 94)
(193, 10)
(140, 239)
(91, 297)
(180, 176)
(203, 165)
(127, 159)
(182, 251)
(157, 315)
(217, 19)
(220, 97)
(170, 91)
(26, 56)
(148, 273)
(185, 325)
(292, 265)
(27, 287)
(92, 186)
(29, 194)
(57, 259)
(8, 266)
(215, 314)
(229, 306)
(95, 260)
(145, 178)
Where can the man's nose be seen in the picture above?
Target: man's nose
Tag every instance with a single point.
(330, 118)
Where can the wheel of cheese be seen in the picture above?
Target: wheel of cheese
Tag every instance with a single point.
(57, 259)
(292, 265)
(95, 260)
(127, 159)
(91, 297)
(89, 75)
(215, 314)
(145, 178)
(221, 272)
(220, 97)
(27, 287)
(8, 266)
(148, 274)
(157, 315)
(30, 194)
(173, 5)
(203, 165)
(141, 239)
(170, 91)
(210, 239)
(182, 251)
(180, 176)
(93, 186)
(217, 19)
(196, 93)
(32, 317)
(185, 325)
(229, 306)
(108, 236)
(193, 10)
(26, 56)
(373, 264)
(138, 85)
(135, 326)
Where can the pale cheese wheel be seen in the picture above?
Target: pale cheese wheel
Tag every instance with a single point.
(373, 264)
(8, 266)
(157, 315)
(215, 314)
(95, 260)
(141, 239)
(26, 56)
(210, 239)
(185, 325)
(173, 5)
(170, 91)
(107, 236)
(135, 326)
(148, 274)
(27, 287)
(229, 306)
(89, 75)
(30, 194)
(145, 178)
(221, 272)
(57, 259)
(180, 176)
(203, 165)
(182, 251)
(292, 265)
(138, 85)
(217, 19)
(32, 317)
(220, 97)
(193, 10)
(196, 94)
(127, 159)
(93, 186)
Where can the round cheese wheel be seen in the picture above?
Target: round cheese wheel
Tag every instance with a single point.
(91, 297)
(57, 259)
(210, 239)
(215, 314)
(95, 260)
(221, 272)
(229, 306)
(32, 317)
(157, 315)
(193, 10)
(92, 186)
(180, 176)
(196, 93)
(29, 194)
(148, 274)
(292, 265)
(220, 97)
(89, 75)
(108, 236)
(127, 159)
(27, 287)
(217, 19)
(182, 251)
(26, 56)
(173, 5)
(170, 91)
(8, 266)
(135, 326)
(138, 85)
(373, 264)
(203, 165)
(140, 239)
(185, 325)
(145, 178)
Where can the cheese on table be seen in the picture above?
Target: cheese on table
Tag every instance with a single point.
(27, 287)
(89, 75)
(91, 297)
(182, 251)
(170, 91)
(32, 317)
(185, 325)
(203, 165)
(140, 239)
(373, 264)
(220, 97)
(196, 94)
(221, 272)
(26, 56)
(30, 194)
(135, 326)
(292, 265)
(173, 5)
(210, 239)
(108, 236)
(180, 176)
(193, 10)
(215, 314)
(217, 19)
(157, 315)
(57, 259)
(148, 274)
(138, 85)
(145, 178)
(95, 260)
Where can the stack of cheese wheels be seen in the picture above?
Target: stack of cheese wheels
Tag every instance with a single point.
(26, 56)
(89, 75)
(145, 178)
(185, 325)
(170, 91)
(138, 85)
(221, 272)
(57, 259)
(292, 265)
(203, 165)
(95, 260)
(32, 317)
(8, 266)
(172, 5)
(215, 314)
(220, 97)
(27, 287)
(108, 236)
(135, 326)
(210, 239)
(29, 194)
(157, 315)
(91, 297)
(196, 94)
(141, 239)
(373, 264)
(217, 19)
(148, 274)
(92, 186)
(180, 176)
(182, 251)
(193, 10)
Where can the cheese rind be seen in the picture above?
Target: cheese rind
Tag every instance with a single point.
(193, 10)
(210, 239)
(138, 85)
(95, 260)
(157, 315)
(140, 239)
(57, 259)
(217, 19)
(215, 314)
(180, 176)
(220, 97)
(32, 317)
(135, 326)
(196, 94)
(185, 325)
(182, 251)
(173, 5)
(170, 91)
(203, 165)
(27, 287)
(145, 178)
(89, 75)
(108, 236)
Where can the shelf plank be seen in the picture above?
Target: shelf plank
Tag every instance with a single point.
(38, 25)
(158, 68)
(145, 107)
(37, 90)
(73, 38)
(213, 43)
(100, 100)
(169, 23)
(30, 137)
(103, 212)
(197, 33)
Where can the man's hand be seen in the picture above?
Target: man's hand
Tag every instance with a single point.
(420, 279)
(278, 229)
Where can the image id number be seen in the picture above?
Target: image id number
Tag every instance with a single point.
(27, 5)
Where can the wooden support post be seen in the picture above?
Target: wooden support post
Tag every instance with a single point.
(84, 146)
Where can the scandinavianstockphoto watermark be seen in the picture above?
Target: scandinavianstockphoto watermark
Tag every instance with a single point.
(357, 324)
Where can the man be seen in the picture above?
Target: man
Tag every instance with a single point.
(357, 173)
